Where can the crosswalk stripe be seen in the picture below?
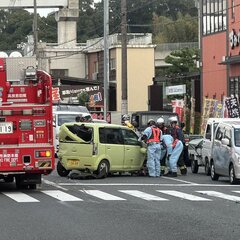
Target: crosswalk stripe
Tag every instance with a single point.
(102, 195)
(62, 196)
(20, 197)
(143, 195)
(220, 195)
(183, 195)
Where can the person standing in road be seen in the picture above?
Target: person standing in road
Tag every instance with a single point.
(174, 148)
(152, 136)
(161, 126)
(176, 132)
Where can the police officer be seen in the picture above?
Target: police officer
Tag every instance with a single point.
(152, 136)
(174, 148)
(176, 132)
(163, 128)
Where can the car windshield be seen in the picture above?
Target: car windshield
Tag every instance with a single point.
(65, 118)
(237, 137)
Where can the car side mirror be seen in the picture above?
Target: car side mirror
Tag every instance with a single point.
(225, 141)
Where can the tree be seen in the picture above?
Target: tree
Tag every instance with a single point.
(166, 30)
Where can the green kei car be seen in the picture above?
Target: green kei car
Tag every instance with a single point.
(99, 149)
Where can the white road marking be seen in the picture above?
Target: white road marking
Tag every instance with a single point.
(20, 197)
(145, 184)
(143, 195)
(54, 184)
(220, 195)
(179, 180)
(183, 195)
(102, 195)
(62, 196)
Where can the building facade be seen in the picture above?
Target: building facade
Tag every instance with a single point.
(220, 39)
(140, 69)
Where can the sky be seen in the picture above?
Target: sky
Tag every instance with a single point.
(43, 12)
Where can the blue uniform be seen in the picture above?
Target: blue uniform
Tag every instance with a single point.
(153, 153)
(174, 150)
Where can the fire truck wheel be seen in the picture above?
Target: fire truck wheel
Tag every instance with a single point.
(8, 179)
(32, 186)
(62, 172)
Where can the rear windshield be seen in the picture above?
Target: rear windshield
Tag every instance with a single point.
(237, 137)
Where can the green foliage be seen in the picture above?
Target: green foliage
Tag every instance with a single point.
(167, 30)
(83, 98)
(183, 61)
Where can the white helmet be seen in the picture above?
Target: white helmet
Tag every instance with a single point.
(160, 120)
(173, 119)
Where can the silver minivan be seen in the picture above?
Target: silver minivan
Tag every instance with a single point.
(226, 151)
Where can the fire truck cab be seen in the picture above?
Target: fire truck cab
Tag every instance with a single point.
(26, 130)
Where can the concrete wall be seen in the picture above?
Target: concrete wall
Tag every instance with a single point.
(140, 69)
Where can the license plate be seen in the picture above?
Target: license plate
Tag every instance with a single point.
(73, 163)
(6, 127)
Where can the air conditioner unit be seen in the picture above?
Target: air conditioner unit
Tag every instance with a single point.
(95, 76)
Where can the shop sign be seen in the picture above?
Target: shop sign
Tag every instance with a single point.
(177, 89)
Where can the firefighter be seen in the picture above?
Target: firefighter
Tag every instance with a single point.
(161, 125)
(152, 136)
(174, 149)
(176, 132)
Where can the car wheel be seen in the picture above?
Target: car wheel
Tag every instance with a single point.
(62, 172)
(214, 176)
(232, 177)
(207, 168)
(194, 166)
(103, 169)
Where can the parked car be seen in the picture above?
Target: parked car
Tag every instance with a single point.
(226, 152)
(99, 149)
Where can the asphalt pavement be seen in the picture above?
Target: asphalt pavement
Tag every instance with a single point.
(122, 207)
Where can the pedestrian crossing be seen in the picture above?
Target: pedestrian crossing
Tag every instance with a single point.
(119, 195)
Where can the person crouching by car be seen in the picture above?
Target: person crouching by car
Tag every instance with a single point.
(152, 136)
(174, 150)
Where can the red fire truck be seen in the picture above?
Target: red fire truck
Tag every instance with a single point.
(26, 131)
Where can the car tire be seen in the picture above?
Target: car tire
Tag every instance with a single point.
(214, 175)
(194, 166)
(103, 169)
(62, 172)
(232, 177)
(207, 168)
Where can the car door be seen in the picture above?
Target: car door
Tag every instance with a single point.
(133, 157)
(218, 149)
(206, 147)
(226, 152)
(114, 148)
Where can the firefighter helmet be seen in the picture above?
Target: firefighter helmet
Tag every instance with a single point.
(160, 120)
(173, 119)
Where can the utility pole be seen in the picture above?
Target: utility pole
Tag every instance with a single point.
(35, 27)
(124, 109)
(106, 56)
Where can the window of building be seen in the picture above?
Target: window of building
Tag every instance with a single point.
(112, 63)
(96, 67)
(233, 9)
(234, 86)
(59, 73)
(214, 16)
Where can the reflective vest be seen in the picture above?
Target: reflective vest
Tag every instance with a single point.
(155, 137)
